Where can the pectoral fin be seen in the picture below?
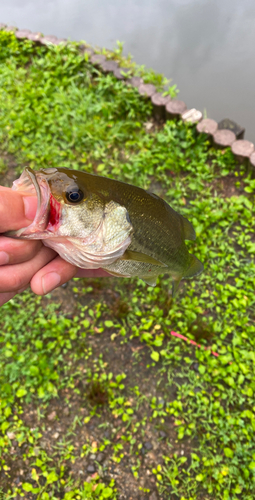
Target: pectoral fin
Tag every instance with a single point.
(150, 280)
(141, 257)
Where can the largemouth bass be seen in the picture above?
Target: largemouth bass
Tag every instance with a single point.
(95, 222)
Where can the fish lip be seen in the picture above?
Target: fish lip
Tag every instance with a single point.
(34, 182)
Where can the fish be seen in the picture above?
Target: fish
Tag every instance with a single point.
(98, 222)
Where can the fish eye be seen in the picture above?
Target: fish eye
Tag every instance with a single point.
(75, 196)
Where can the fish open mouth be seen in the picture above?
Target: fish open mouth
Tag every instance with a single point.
(34, 183)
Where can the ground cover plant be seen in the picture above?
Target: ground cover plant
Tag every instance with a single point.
(98, 399)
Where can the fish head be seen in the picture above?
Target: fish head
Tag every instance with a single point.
(84, 227)
(60, 199)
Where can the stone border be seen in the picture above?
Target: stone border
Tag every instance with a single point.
(223, 134)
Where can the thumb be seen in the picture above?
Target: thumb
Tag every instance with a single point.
(16, 211)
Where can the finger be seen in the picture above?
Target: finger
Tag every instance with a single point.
(5, 297)
(16, 211)
(17, 251)
(15, 277)
(92, 273)
(54, 274)
(58, 272)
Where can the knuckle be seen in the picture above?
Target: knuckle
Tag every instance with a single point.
(30, 250)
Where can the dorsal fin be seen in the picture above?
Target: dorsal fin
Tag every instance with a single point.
(189, 231)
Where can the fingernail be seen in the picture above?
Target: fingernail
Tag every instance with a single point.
(50, 281)
(4, 258)
(30, 205)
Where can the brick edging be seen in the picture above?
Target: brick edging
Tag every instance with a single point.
(223, 134)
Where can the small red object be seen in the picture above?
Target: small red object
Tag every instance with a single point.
(55, 212)
(179, 336)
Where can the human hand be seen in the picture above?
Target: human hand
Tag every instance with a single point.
(24, 262)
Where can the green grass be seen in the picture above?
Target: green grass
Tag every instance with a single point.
(55, 110)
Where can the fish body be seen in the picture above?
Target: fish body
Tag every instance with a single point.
(97, 222)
